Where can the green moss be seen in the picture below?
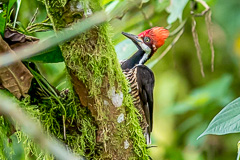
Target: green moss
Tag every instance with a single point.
(80, 127)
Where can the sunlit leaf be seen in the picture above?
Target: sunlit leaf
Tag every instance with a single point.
(112, 6)
(226, 121)
(125, 49)
(176, 9)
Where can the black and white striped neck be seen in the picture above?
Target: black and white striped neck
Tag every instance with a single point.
(134, 60)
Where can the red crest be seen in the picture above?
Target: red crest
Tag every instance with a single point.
(156, 34)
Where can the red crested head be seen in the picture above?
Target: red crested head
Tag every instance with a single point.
(157, 36)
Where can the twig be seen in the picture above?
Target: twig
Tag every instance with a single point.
(33, 18)
(210, 36)
(179, 28)
(35, 131)
(64, 128)
(207, 12)
(197, 45)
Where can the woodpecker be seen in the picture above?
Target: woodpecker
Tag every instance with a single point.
(140, 77)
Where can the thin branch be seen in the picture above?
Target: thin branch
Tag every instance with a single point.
(179, 28)
(207, 8)
(210, 36)
(197, 45)
(35, 131)
(207, 13)
(33, 18)
(64, 128)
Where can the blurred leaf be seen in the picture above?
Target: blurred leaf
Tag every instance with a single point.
(226, 121)
(176, 9)
(145, 1)
(112, 6)
(217, 90)
(160, 6)
(125, 49)
(18, 150)
(104, 2)
(52, 55)
(225, 13)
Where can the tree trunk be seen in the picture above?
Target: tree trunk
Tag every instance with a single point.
(100, 85)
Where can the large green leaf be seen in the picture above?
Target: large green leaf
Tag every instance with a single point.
(176, 9)
(226, 121)
(52, 55)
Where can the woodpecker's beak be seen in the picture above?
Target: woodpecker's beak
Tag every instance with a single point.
(136, 40)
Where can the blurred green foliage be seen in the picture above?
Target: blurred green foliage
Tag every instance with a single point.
(184, 101)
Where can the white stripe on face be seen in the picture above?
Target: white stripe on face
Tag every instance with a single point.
(147, 51)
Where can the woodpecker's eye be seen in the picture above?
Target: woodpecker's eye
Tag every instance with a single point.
(146, 39)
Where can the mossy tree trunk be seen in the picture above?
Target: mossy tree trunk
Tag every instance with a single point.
(99, 83)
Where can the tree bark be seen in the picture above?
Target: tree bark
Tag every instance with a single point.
(99, 83)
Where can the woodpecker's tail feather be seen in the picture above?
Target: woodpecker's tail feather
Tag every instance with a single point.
(148, 138)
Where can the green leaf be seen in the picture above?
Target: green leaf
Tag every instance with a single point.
(176, 9)
(226, 121)
(5, 8)
(17, 147)
(125, 49)
(10, 4)
(16, 15)
(3, 15)
(52, 55)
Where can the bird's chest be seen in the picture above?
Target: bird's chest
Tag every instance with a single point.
(131, 75)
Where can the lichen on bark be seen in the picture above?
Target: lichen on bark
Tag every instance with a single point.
(93, 66)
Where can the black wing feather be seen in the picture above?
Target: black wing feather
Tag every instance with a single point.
(145, 79)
